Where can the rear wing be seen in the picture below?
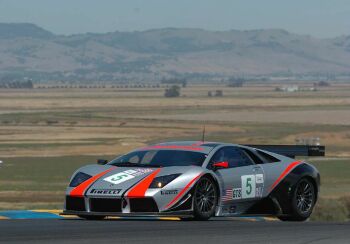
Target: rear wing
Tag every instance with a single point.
(293, 151)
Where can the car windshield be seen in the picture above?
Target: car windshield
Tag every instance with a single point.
(160, 158)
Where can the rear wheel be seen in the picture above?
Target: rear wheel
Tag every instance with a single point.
(303, 201)
(204, 199)
(91, 217)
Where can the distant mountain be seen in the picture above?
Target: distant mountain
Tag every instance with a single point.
(23, 30)
(28, 50)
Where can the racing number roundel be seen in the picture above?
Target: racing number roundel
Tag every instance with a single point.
(248, 186)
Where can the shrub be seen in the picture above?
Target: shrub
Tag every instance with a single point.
(346, 201)
(330, 210)
(219, 93)
(173, 91)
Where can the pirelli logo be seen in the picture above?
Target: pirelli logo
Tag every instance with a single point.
(105, 192)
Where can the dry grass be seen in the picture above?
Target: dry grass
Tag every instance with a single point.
(327, 117)
(254, 97)
(331, 210)
(107, 122)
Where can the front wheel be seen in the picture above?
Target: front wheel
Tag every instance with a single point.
(204, 199)
(303, 201)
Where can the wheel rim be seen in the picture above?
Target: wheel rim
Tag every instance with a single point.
(205, 196)
(304, 196)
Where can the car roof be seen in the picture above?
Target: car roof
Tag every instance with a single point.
(195, 146)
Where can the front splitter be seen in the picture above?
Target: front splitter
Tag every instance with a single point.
(182, 214)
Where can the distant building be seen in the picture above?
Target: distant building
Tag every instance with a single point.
(287, 88)
(312, 141)
(313, 88)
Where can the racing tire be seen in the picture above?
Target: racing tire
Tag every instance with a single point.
(205, 198)
(303, 201)
(92, 217)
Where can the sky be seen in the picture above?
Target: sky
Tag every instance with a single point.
(319, 18)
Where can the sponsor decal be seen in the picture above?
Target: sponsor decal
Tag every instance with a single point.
(126, 175)
(169, 192)
(142, 171)
(232, 194)
(252, 187)
(259, 191)
(259, 178)
(182, 191)
(105, 191)
(236, 193)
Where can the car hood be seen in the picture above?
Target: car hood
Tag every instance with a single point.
(117, 181)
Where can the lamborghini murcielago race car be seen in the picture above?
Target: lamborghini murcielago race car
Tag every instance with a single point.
(198, 180)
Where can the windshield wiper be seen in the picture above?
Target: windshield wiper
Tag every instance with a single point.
(129, 164)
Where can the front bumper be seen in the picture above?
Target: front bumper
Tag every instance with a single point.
(180, 214)
(146, 206)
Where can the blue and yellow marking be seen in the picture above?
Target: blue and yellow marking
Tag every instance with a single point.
(30, 214)
(54, 214)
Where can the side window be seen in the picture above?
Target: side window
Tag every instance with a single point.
(267, 157)
(233, 155)
(252, 155)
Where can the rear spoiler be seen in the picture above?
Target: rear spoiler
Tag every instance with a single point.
(293, 150)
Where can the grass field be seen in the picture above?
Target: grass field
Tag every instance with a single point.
(45, 134)
(40, 182)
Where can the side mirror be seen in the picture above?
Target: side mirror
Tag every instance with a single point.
(220, 165)
(102, 161)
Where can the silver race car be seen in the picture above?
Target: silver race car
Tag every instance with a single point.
(198, 180)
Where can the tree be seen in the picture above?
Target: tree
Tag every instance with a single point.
(28, 84)
(219, 93)
(323, 83)
(236, 82)
(176, 81)
(173, 91)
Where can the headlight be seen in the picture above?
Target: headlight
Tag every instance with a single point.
(161, 181)
(79, 178)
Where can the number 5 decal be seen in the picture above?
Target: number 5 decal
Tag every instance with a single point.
(248, 186)
(119, 177)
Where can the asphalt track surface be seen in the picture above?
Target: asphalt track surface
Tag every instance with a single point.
(221, 230)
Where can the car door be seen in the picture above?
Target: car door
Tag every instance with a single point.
(241, 182)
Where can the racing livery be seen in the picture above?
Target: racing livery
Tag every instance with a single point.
(198, 180)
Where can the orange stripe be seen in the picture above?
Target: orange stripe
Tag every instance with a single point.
(182, 191)
(140, 189)
(284, 173)
(80, 189)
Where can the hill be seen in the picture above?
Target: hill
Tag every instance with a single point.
(28, 50)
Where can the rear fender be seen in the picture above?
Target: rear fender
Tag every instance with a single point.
(283, 191)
